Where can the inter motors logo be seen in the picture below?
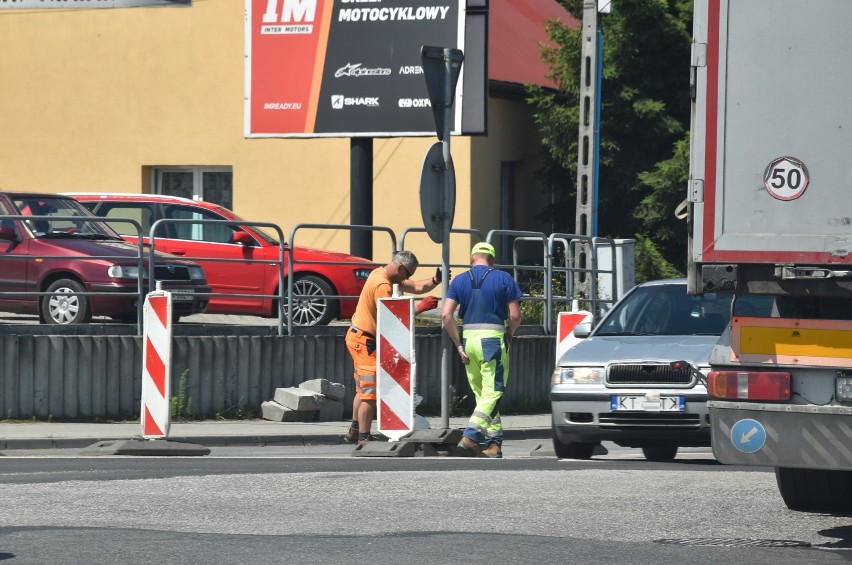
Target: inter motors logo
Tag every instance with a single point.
(338, 101)
(357, 70)
(292, 11)
(296, 16)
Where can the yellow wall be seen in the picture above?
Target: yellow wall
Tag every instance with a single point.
(512, 137)
(91, 99)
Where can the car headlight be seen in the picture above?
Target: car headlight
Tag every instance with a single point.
(196, 273)
(577, 375)
(362, 274)
(123, 272)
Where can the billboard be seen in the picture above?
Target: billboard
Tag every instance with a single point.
(345, 68)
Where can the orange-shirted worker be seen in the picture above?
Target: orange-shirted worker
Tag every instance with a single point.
(361, 337)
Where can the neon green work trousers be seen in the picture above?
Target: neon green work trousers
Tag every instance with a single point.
(487, 374)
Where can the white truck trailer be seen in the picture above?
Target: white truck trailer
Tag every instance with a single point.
(770, 220)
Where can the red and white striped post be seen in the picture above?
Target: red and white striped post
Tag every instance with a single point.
(395, 367)
(565, 323)
(156, 364)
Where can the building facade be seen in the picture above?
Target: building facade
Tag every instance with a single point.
(152, 100)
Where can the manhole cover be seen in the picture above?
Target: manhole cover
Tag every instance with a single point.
(735, 542)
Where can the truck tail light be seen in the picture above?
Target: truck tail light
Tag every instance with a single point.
(749, 385)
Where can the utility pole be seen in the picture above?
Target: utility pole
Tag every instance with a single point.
(586, 221)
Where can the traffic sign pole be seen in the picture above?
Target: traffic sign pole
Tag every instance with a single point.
(446, 346)
(441, 68)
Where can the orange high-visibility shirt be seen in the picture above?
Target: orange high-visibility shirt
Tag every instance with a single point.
(378, 285)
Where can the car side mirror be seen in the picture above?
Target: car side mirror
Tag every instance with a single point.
(8, 234)
(582, 330)
(242, 238)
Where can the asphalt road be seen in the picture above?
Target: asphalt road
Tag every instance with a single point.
(285, 505)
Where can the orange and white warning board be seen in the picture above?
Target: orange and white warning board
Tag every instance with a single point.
(395, 367)
(790, 341)
(156, 364)
(565, 324)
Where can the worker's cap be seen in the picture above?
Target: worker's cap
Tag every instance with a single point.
(483, 247)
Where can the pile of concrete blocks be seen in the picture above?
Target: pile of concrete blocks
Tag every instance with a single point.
(317, 400)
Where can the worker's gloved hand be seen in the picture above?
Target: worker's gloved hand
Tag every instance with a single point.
(439, 275)
(428, 303)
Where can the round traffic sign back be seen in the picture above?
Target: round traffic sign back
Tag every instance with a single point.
(436, 206)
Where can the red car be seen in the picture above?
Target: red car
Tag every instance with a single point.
(247, 280)
(63, 250)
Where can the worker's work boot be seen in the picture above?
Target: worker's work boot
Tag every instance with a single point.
(470, 448)
(370, 437)
(351, 436)
(493, 451)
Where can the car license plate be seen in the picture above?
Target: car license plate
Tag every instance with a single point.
(180, 295)
(647, 403)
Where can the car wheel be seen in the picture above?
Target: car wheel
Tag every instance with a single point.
(313, 308)
(65, 305)
(815, 490)
(572, 450)
(659, 452)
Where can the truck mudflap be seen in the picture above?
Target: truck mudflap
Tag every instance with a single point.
(781, 435)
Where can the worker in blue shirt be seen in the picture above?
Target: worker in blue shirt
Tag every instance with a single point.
(490, 315)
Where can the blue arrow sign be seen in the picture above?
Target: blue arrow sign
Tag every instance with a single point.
(748, 435)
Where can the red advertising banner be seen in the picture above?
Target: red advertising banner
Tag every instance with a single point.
(344, 68)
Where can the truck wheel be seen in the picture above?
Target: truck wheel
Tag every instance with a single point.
(65, 305)
(665, 452)
(313, 308)
(815, 490)
(572, 450)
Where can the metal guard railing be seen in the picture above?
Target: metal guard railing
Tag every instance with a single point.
(557, 254)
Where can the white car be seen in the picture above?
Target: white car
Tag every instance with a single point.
(638, 379)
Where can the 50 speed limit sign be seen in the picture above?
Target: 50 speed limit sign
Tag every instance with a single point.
(786, 178)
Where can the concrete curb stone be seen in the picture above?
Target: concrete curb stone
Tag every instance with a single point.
(58, 435)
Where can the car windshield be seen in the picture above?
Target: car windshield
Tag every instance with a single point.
(668, 310)
(61, 217)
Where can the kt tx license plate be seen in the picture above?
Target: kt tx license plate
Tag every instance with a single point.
(647, 403)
